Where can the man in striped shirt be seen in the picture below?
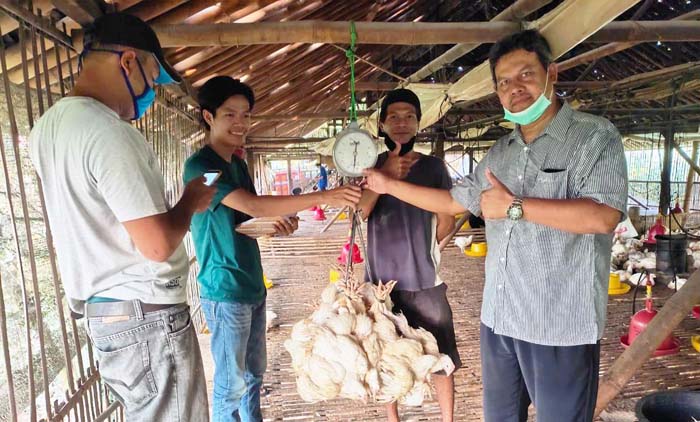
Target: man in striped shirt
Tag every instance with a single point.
(551, 192)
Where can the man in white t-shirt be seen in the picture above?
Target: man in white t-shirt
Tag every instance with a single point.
(119, 243)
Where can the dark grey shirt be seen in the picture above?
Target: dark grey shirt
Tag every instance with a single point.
(544, 285)
(401, 238)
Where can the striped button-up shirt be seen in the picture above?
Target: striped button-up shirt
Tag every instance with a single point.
(543, 285)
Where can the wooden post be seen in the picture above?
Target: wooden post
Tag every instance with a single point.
(250, 161)
(689, 181)
(440, 148)
(289, 176)
(671, 314)
(455, 230)
(665, 193)
(471, 161)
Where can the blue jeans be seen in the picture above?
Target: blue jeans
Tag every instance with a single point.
(240, 358)
(153, 365)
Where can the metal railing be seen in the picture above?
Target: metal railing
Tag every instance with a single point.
(49, 371)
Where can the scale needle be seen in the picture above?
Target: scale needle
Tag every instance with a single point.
(354, 155)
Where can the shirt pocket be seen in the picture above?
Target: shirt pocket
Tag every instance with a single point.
(550, 184)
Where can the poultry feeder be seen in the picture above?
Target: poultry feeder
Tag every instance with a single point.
(616, 287)
(333, 276)
(319, 215)
(655, 230)
(677, 209)
(356, 256)
(639, 323)
(268, 283)
(695, 340)
(477, 249)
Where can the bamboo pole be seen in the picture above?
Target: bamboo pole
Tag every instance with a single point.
(150, 10)
(395, 33)
(612, 48)
(463, 219)
(399, 33)
(648, 31)
(685, 156)
(515, 12)
(671, 314)
(325, 115)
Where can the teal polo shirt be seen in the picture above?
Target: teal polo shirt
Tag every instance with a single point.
(230, 269)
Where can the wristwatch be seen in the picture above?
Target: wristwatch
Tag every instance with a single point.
(515, 211)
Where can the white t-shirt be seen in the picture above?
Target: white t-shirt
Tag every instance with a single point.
(97, 172)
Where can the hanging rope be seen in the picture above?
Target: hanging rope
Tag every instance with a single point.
(350, 54)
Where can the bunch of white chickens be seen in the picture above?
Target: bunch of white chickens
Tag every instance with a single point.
(354, 347)
(629, 259)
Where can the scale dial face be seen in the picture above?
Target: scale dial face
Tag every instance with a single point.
(354, 150)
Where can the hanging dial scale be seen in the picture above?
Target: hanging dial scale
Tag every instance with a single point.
(354, 151)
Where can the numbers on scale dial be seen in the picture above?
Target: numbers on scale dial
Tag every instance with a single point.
(357, 154)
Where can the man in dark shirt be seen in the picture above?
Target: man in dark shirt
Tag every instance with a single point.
(403, 239)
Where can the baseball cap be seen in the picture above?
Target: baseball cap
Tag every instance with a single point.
(130, 31)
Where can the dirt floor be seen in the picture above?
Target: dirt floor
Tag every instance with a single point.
(299, 268)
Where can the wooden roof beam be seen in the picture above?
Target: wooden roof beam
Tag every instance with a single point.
(515, 12)
(612, 48)
(9, 24)
(149, 10)
(13, 8)
(325, 115)
(648, 31)
(401, 33)
(82, 11)
(391, 33)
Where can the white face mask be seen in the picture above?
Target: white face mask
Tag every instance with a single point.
(532, 113)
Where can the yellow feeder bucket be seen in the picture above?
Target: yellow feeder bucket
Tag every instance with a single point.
(333, 276)
(268, 282)
(465, 225)
(616, 287)
(695, 341)
(477, 249)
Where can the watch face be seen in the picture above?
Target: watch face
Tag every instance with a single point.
(515, 212)
(353, 152)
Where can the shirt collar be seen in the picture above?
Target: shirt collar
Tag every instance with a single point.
(557, 128)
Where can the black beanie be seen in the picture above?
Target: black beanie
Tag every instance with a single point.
(400, 95)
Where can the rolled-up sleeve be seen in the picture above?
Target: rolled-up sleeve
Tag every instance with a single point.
(468, 190)
(602, 174)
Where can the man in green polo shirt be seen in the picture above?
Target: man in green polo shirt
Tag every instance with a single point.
(232, 289)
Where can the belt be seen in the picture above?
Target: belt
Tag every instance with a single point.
(124, 308)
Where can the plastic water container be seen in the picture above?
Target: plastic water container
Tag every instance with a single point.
(669, 406)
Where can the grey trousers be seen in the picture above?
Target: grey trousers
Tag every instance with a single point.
(153, 365)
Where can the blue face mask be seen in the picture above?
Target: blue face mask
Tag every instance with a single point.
(142, 101)
(532, 113)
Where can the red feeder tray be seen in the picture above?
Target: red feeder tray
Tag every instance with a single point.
(672, 348)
